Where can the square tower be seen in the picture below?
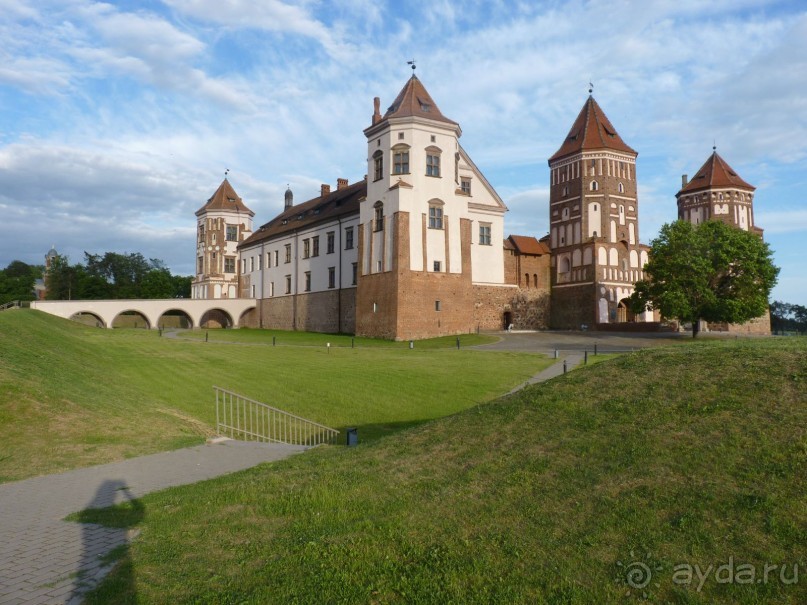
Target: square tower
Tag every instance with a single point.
(594, 225)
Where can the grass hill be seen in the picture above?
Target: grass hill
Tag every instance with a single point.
(72, 396)
(662, 462)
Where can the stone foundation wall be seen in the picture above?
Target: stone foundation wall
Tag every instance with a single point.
(524, 308)
(572, 307)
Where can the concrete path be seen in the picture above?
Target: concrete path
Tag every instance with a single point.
(44, 560)
(556, 369)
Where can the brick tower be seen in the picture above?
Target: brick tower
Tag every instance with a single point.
(594, 224)
(717, 192)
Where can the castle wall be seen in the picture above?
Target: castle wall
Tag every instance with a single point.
(573, 306)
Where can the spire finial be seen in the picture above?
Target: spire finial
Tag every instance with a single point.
(714, 145)
(226, 172)
(590, 87)
(414, 67)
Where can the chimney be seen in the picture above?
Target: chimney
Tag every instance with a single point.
(325, 190)
(376, 110)
(341, 184)
(683, 181)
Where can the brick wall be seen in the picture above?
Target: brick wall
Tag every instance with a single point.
(524, 308)
(312, 311)
(573, 306)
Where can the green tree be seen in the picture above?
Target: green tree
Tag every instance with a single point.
(61, 279)
(17, 281)
(712, 272)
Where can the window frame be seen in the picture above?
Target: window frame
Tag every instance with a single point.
(330, 238)
(436, 215)
(378, 216)
(378, 165)
(348, 238)
(231, 230)
(400, 159)
(485, 234)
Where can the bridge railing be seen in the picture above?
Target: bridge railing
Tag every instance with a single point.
(240, 417)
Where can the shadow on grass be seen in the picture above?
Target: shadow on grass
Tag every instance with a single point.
(105, 544)
(373, 432)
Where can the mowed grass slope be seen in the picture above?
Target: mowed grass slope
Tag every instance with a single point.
(694, 455)
(72, 396)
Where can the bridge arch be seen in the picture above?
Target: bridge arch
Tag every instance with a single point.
(131, 318)
(216, 317)
(175, 318)
(88, 318)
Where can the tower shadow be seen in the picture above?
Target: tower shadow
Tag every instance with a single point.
(107, 522)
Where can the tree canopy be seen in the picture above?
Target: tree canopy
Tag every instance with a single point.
(712, 271)
(786, 317)
(17, 281)
(114, 276)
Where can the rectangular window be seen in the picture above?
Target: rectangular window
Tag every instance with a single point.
(378, 266)
(253, 291)
(288, 253)
(201, 233)
(378, 165)
(288, 284)
(435, 217)
(355, 273)
(308, 281)
(232, 233)
(271, 288)
(243, 265)
(379, 217)
(348, 238)
(437, 266)
(306, 248)
(229, 264)
(484, 235)
(260, 262)
(436, 305)
(214, 238)
(331, 277)
(400, 162)
(268, 260)
(277, 254)
(200, 264)
(465, 185)
(329, 242)
(432, 165)
(315, 246)
(251, 263)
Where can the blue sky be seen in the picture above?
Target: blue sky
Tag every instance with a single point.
(118, 120)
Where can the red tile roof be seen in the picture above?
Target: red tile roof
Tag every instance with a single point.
(526, 244)
(344, 201)
(225, 198)
(591, 130)
(414, 100)
(713, 174)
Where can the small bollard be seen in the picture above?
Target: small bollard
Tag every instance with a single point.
(411, 344)
(207, 334)
(273, 341)
(329, 348)
(352, 343)
(351, 437)
(458, 343)
(564, 366)
(477, 329)
(160, 331)
(556, 353)
(585, 357)
(595, 349)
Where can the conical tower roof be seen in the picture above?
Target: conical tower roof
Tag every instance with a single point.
(415, 101)
(591, 130)
(715, 173)
(225, 198)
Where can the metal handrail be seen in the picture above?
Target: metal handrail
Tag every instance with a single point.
(14, 304)
(240, 417)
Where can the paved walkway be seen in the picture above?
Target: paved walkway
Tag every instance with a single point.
(44, 560)
(556, 369)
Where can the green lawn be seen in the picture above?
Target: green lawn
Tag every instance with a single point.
(565, 492)
(72, 396)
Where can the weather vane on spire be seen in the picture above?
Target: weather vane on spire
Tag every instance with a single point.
(226, 172)
(412, 63)
(590, 87)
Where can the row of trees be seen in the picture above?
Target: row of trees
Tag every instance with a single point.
(111, 276)
(788, 318)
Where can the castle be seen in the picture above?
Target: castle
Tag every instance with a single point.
(418, 249)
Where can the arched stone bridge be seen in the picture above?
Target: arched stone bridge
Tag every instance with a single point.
(227, 312)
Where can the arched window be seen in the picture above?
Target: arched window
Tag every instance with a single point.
(621, 188)
(400, 159)
(436, 214)
(379, 216)
(565, 265)
(527, 280)
(433, 161)
(535, 280)
(594, 186)
(565, 191)
(378, 165)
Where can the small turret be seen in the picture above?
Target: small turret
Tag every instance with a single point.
(288, 199)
